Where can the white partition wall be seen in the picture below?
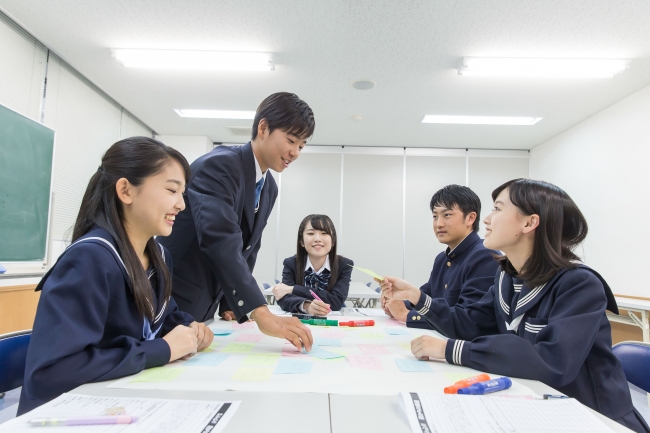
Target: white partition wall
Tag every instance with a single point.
(427, 170)
(373, 210)
(379, 200)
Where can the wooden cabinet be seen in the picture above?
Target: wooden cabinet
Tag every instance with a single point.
(18, 307)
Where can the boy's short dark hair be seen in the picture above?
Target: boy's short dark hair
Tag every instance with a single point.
(461, 196)
(287, 112)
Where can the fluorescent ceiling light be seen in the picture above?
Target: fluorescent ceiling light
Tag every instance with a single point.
(217, 114)
(201, 60)
(480, 120)
(538, 67)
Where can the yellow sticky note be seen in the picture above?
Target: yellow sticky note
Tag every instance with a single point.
(371, 335)
(210, 348)
(238, 348)
(261, 359)
(252, 374)
(369, 272)
(455, 377)
(404, 345)
(158, 374)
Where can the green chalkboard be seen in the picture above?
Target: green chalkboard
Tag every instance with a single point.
(26, 150)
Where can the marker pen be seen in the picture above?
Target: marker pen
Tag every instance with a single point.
(357, 323)
(320, 322)
(487, 387)
(453, 389)
(91, 420)
(316, 297)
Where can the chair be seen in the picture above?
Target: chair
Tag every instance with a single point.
(277, 281)
(13, 355)
(269, 299)
(635, 357)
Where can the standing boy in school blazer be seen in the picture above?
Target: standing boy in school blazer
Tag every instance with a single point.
(229, 199)
(465, 270)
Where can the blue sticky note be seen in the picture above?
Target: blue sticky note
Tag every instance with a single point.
(293, 366)
(397, 331)
(336, 342)
(206, 359)
(413, 365)
(317, 352)
(222, 332)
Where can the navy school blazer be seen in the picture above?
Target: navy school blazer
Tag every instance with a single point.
(336, 297)
(460, 277)
(87, 326)
(557, 333)
(215, 241)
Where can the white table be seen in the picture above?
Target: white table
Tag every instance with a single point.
(289, 412)
(633, 306)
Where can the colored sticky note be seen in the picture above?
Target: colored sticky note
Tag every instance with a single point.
(333, 334)
(252, 374)
(371, 335)
(373, 349)
(455, 377)
(413, 365)
(397, 331)
(245, 325)
(206, 359)
(210, 348)
(249, 337)
(393, 322)
(336, 342)
(290, 350)
(406, 345)
(238, 348)
(222, 332)
(317, 352)
(261, 359)
(158, 374)
(369, 272)
(293, 366)
(340, 350)
(367, 362)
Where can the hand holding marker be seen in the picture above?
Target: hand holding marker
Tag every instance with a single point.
(319, 299)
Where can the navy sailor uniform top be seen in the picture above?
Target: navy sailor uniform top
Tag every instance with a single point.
(88, 328)
(556, 333)
(335, 297)
(460, 276)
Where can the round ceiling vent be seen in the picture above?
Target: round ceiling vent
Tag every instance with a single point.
(363, 84)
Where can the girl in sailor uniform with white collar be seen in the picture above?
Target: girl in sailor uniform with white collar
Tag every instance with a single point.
(106, 309)
(544, 317)
(315, 267)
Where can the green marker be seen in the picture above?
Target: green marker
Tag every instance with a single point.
(320, 322)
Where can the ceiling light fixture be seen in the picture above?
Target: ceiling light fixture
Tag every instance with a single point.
(480, 120)
(199, 60)
(217, 114)
(540, 67)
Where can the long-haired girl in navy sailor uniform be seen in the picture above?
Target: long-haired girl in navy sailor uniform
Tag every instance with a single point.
(106, 309)
(544, 317)
(316, 267)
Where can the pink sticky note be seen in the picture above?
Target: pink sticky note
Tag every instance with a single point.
(249, 337)
(290, 350)
(244, 325)
(373, 349)
(333, 334)
(367, 362)
(393, 322)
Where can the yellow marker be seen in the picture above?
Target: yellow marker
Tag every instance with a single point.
(369, 272)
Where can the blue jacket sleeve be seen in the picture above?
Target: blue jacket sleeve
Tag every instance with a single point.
(66, 348)
(556, 355)
(478, 277)
(212, 196)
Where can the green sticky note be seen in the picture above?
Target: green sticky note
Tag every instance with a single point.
(252, 374)
(210, 348)
(158, 374)
(455, 377)
(371, 335)
(369, 272)
(404, 345)
(238, 348)
(261, 359)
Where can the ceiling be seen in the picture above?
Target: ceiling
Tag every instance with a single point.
(411, 49)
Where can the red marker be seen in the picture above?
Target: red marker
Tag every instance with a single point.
(357, 323)
(466, 382)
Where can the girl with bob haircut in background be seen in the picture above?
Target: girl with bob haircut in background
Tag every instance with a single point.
(544, 317)
(106, 309)
(316, 267)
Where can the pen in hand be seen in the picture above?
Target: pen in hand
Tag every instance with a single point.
(316, 297)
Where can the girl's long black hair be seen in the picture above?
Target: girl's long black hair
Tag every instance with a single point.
(135, 159)
(562, 227)
(325, 224)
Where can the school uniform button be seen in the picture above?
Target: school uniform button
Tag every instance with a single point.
(240, 303)
(448, 263)
(234, 292)
(418, 317)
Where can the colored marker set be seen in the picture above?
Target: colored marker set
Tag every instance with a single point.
(351, 323)
(479, 385)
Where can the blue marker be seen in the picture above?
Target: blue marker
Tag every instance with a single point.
(487, 387)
